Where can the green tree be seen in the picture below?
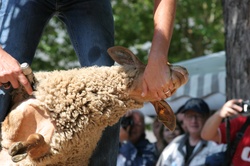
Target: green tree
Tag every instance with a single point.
(199, 29)
(54, 50)
(134, 25)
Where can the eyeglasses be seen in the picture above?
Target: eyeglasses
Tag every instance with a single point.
(196, 116)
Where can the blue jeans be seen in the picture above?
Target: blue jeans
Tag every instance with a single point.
(91, 29)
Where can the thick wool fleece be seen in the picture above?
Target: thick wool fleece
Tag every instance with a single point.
(82, 102)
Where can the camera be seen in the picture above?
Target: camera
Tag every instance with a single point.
(245, 108)
(127, 121)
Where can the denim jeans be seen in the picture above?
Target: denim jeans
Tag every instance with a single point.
(90, 26)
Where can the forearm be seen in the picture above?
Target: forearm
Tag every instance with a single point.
(156, 69)
(164, 16)
(210, 129)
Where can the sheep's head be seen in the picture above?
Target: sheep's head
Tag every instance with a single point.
(179, 76)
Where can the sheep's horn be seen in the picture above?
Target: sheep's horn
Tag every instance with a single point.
(165, 114)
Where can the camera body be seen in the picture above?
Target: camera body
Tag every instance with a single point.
(127, 121)
(245, 108)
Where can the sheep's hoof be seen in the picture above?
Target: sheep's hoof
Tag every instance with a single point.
(19, 157)
(14, 148)
(17, 151)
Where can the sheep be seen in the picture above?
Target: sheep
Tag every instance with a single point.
(61, 123)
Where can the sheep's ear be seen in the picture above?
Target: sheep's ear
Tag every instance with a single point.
(123, 56)
(165, 114)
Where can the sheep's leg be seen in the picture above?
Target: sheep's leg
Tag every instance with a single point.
(17, 151)
(27, 130)
(35, 147)
(165, 114)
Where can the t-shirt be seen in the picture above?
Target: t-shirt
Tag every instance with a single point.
(242, 154)
(189, 150)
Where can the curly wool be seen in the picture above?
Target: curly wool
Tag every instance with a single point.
(82, 102)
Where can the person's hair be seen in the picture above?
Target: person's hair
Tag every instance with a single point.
(161, 135)
(178, 123)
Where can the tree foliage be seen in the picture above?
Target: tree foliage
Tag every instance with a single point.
(54, 50)
(198, 30)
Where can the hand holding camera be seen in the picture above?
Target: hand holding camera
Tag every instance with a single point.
(125, 130)
(127, 121)
(234, 107)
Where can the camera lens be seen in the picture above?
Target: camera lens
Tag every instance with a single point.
(126, 121)
(245, 108)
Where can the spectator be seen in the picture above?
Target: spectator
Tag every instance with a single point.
(215, 130)
(135, 149)
(161, 143)
(169, 136)
(190, 149)
(164, 136)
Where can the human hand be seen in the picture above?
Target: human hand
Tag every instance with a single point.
(124, 134)
(11, 72)
(157, 80)
(230, 108)
(124, 131)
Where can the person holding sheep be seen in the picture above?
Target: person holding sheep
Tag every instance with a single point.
(22, 24)
(63, 121)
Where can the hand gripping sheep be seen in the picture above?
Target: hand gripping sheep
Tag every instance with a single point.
(64, 119)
